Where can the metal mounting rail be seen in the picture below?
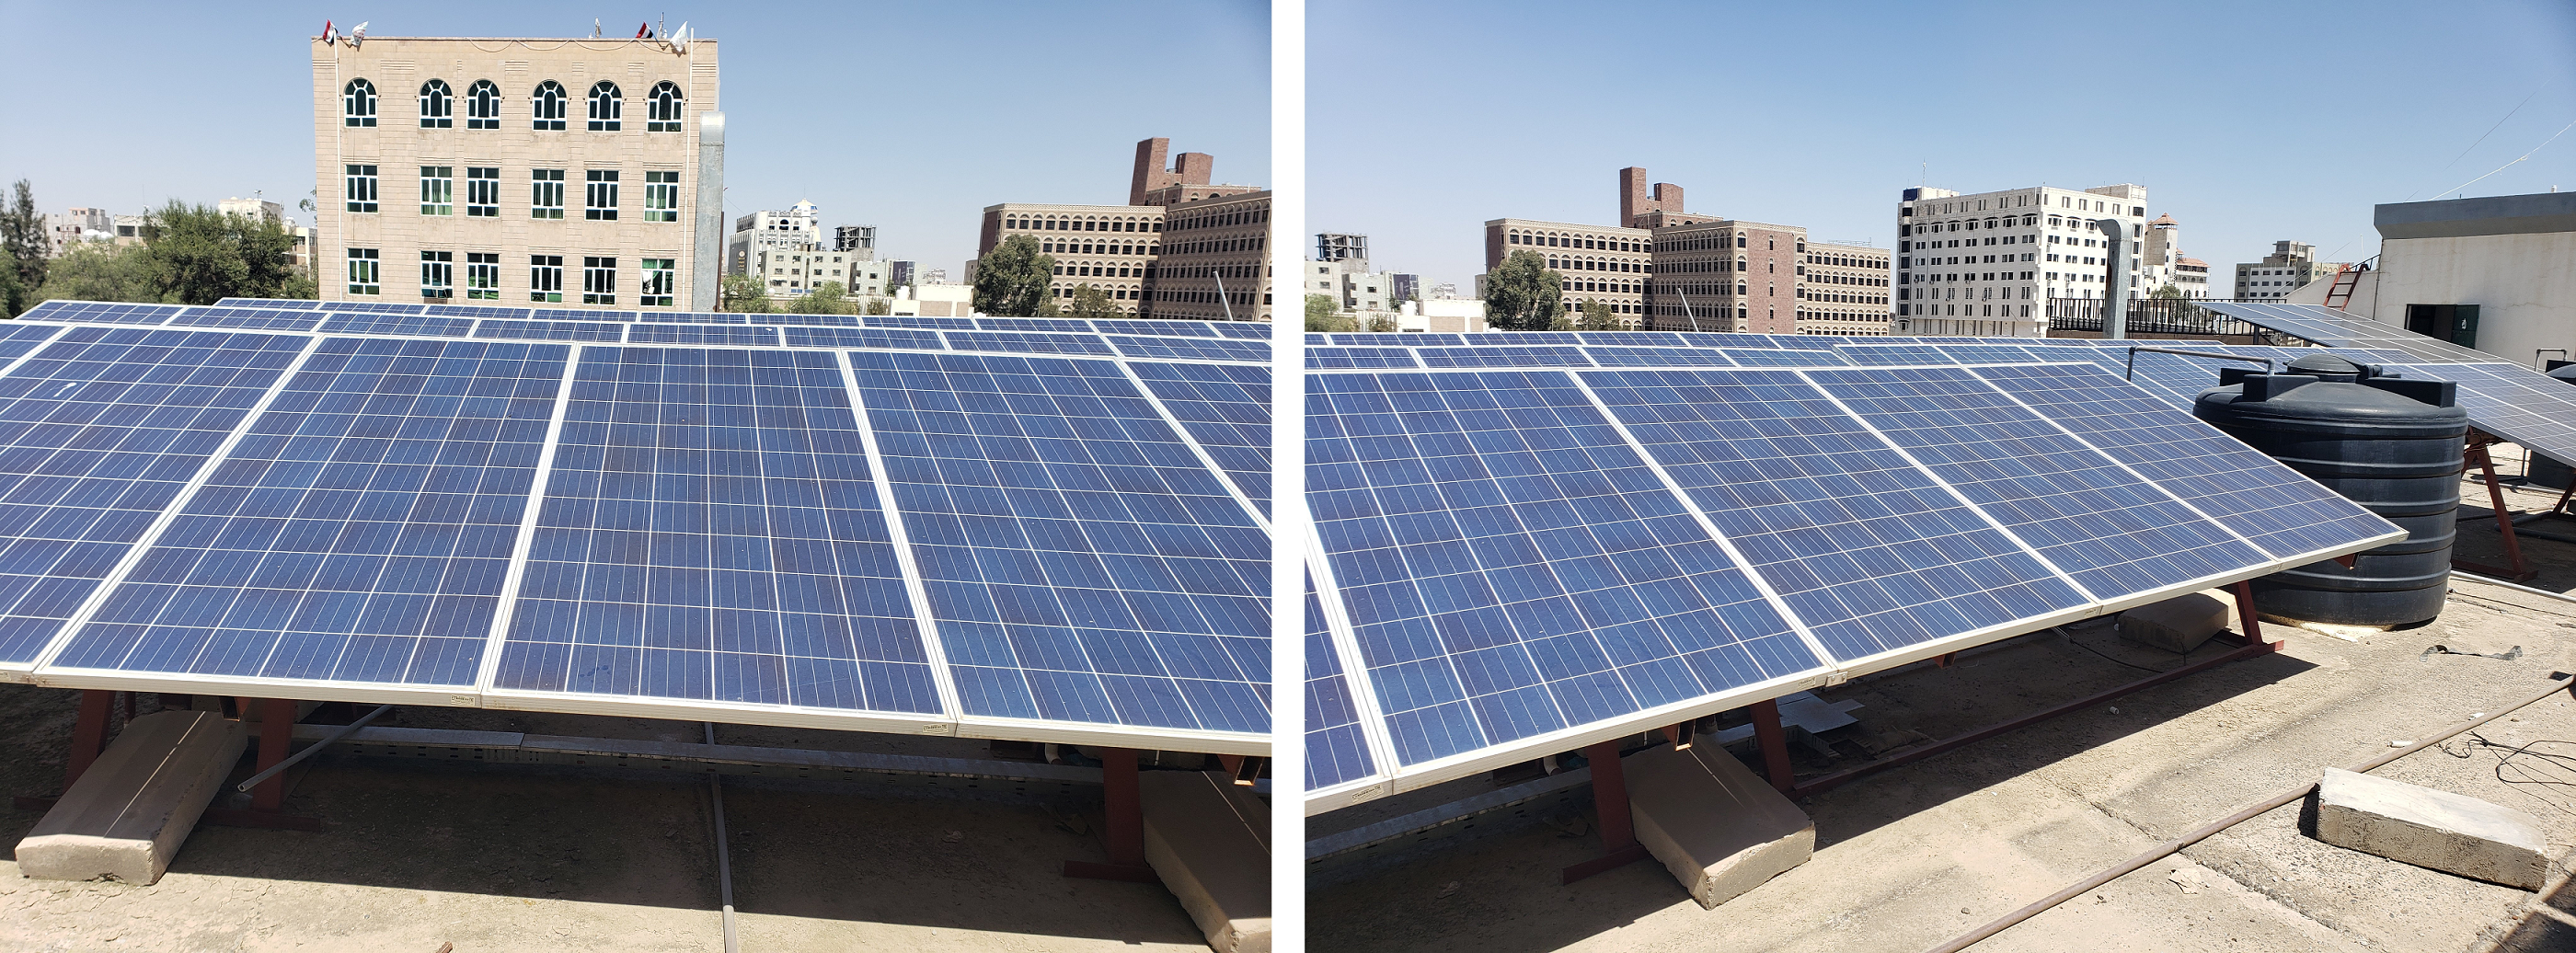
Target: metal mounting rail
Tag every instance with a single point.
(2133, 358)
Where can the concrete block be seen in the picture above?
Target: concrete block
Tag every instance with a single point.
(2179, 624)
(127, 815)
(2452, 833)
(1718, 827)
(1209, 840)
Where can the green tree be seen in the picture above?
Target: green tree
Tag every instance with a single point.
(101, 272)
(877, 305)
(1011, 280)
(830, 297)
(2167, 290)
(1597, 317)
(1090, 302)
(742, 294)
(22, 236)
(15, 296)
(1324, 314)
(1523, 295)
(199, 255)
(1382, 323)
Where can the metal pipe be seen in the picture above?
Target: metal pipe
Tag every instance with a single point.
(724, 854)
(345, 731)
(2246, 813)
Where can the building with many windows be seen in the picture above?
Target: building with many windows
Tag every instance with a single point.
(1109, 247)
(2290, 265)
(1127, 253)
(1986, 265)
(1844, 289)
(581, 172)
(1602, 263)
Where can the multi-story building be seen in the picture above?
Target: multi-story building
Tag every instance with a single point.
(1332, 246)
(786, 248)
(1124, 250)
(1660, 206)
(1846, 289)
(1726, 275)
(1405, 287)
(901, 272)
(2191, 277)
(128, 229)
(1602, 263)
(859, 239)
(2290, 265)
(78, 225)
(579, 172)
(1987, 264)
(930, 276)
(1351, 285)
(798, 224)
(271, 212)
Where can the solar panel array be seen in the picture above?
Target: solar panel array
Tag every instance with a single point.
(2334, 327)
(967, 528)
(1528, 542)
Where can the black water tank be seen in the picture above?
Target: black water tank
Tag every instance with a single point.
(2392, 446)
(2545, 471)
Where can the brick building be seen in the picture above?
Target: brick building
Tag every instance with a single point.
(1125, 252)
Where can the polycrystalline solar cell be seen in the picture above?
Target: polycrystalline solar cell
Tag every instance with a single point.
(1242, 329)
(864, 337)
(1888, 354)
(101, 312)
(1405, 339)
(1193, 329)
(1064, 325)
(1805, 342)
(2276, 508)
(1657, 356)
(374, 306)
(1551, 356)
(920, 323)
(2334, 327)
(1196, 349)
(1785, 357)
(2179, 378)
(1347, 357)
(247, 319)
(814, 320)
(587, 314)
(2113, 533)
(406, 324)
(1029, 343)
(552, 330)
(1082, 564)
(1226, 409)
(2530, 408)
(1511, 566)
(360, 530)
(1868, 551)
(1336, 748)
(710, 531)
(474, 311)
(1632, 338)
(98, 434)
(306, 303)
(1991, 353)
(717, 334)
(17, 339)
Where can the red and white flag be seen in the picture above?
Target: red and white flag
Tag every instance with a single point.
(644, 31)
(328, 37)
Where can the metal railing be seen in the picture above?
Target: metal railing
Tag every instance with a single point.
(2147, 316)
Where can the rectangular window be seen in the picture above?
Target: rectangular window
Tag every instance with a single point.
(600, 194)
(363, 276)
(482, 192)
(437, 275)
(659, 277)
(545, 277)
(361, 188)
(483, 275)
(661, 196)
(545, 193)
(438, 190)
(599, 281)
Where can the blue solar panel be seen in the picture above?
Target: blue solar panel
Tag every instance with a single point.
(2273, 506)
(1234, 329)
(1226, 409)
(2114, 533)
(474, 311)
(1785, 357)
(920, 323)
(1512, 567)
(1893, 354)
(711, 532)
(1347, 357)
(1550, 356)
(1064, 325)
(587, 314)
(1995, 353)
(1336, 748)
(99, 432)
(360, 530)
(100, 312)
(405, 324)
(1082, 564)
(268, 303)
(1029, 343)
(814, 320)
(1633, 338)
(1609, 356)
(1194, 329)
(248, 319)
(374, 306)
(864, 337)
(702, 334)
(552, 330)
(2532, 409)
(1398, 340)
(1194, 349)
(18, 339)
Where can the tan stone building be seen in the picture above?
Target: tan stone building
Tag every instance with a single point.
(1846, 290)
(1125, 251)
(1109, 247)
(1726, 275)
(1215, 264)
(562, 172)
(1600, 263)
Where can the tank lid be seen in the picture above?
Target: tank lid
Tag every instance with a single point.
(2290, 399)
(2322, 364)
(2567, 373)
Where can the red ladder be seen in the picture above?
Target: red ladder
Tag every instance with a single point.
(2345, 279)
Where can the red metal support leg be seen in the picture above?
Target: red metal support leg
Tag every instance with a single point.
(89, 734)
(2246, 618)
(2514, 569)
(276, 729)
(1774, 742)
(1619, 846)
(1125, 830)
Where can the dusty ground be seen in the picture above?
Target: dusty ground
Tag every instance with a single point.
(1909, 858)
(541, 859)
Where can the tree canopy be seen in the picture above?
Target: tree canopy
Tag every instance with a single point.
(830, 297)
(1523, 295)
(1324, 314)
(1090, 302)
(742, 294)
(199, 255)
(1011, 280)
(25, 244)
(1597, 316)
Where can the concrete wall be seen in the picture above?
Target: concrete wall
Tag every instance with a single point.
(2523, 284)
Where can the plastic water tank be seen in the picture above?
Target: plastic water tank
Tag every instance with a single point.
(2392, 446)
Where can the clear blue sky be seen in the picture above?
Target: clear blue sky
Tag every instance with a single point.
(908, 116)
(2248, 122)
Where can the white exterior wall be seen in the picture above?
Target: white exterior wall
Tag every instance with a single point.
(2523, 284)
(2026, 246)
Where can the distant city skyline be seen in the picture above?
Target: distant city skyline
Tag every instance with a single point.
(909, 118)
(2248, 124)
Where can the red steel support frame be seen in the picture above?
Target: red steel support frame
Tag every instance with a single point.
(1125, 830)
(276, 731)
(89, 733)
(2515, 569)
(1619, 846)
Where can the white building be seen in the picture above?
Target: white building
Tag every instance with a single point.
(274, 213)
(791, 254)
(2489, 273)
(1351, 285)
(2289, 266)
(78, 225)
(935, 300)
(2164, 263)
(1986, 264)
(1442, 315)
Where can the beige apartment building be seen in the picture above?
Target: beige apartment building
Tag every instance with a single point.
(1109, 247)
(1845, 289)
(1600, 263)
(1727, 275)
(1130, 251)
(1215, 263)
(583, 172)
(1987, 264)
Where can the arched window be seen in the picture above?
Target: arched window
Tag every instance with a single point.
(437, 105)
(483, 105)
(548, 107)
(662, 110)
(606, 108)
(358, 103)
